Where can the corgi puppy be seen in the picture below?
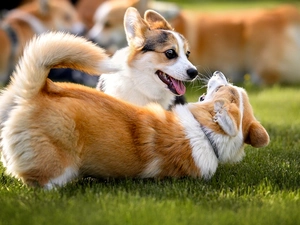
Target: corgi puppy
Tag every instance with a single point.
(35, 17)
(263, 43)
(154, 65)
(53, 133)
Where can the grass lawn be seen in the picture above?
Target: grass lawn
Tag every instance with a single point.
(263, 189)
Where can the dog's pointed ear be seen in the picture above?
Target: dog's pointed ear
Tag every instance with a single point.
(156, 21)
(227, 115)
(135, 27)
(44, 6)
(257, 135)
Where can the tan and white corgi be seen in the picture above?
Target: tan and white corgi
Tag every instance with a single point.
(53, 133)
(36, 17)
(154, 65)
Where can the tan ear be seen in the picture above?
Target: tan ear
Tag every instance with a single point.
(135, 28)
(156, 21)
(257, 135)
(44, 7)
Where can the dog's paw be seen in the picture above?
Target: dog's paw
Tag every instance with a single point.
(224, 119)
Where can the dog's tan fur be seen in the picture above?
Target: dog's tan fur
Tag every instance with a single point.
(33, 18)
(86, 10)
(52, 133)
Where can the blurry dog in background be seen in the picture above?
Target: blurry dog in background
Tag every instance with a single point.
(86, 10)
(36, 17)
(154, 65)
(264, 43)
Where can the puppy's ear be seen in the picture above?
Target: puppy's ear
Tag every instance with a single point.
(135, 28)
(156, 21)
(44, 7)
(227, 115)
(257, 135)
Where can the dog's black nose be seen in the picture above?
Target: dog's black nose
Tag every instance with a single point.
(192, 73)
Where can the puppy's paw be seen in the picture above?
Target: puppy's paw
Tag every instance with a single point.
(226, 121)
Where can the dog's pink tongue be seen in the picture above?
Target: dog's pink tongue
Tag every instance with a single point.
(179, 86)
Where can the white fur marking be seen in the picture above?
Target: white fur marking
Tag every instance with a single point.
(59, 181)
(152, 169)
(179, 69)
(202, 152)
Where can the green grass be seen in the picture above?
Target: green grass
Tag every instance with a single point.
(225, 5)
(263, 189)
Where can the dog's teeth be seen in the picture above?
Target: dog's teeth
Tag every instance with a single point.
(165, 76)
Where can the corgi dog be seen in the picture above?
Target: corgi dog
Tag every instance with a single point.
(86, 10)
(35, 17)
(107, 28)
(53, 133)
(154, 64)
(263, 43)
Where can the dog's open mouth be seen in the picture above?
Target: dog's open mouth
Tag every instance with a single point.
(175, 86)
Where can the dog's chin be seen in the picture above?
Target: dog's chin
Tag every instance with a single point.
(175, 86)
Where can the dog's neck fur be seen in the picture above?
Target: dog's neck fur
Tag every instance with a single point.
(209, 137)
(202, 150)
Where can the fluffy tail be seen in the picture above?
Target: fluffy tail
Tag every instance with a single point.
(56, 50)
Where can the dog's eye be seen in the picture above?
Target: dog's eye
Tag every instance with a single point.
(171, 54)
(188, 54)
(201, 98)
